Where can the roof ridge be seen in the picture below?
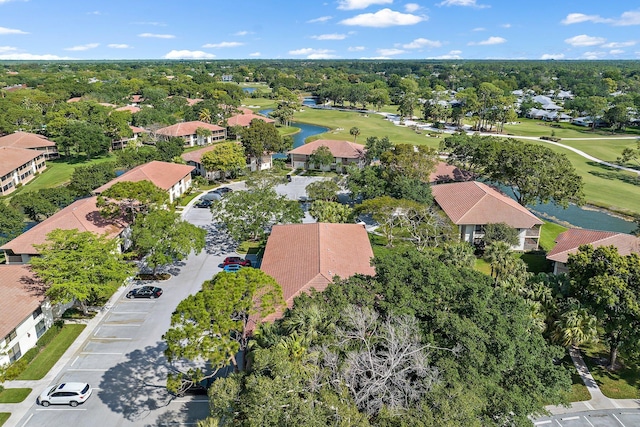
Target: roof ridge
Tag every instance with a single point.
(475, 183)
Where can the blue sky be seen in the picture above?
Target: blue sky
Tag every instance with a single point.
(311, 29)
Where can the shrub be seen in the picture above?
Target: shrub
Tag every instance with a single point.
(550, 138)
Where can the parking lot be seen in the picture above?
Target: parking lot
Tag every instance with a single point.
(605, 418)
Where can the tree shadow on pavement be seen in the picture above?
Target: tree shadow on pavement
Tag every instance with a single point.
(137, 386)
(218, 241)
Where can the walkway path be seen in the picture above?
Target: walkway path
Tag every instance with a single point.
(598, 399)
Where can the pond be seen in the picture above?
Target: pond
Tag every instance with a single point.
(306, 130)
(249, 89)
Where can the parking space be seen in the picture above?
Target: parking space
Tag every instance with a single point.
(603, 418)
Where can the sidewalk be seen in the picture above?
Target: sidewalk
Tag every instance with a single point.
(19, 410)
(598, 399)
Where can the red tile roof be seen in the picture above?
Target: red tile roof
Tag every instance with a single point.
(21, 294)
(25, 140)
(468, 203)
(244, 120)
(132, 108)
(192, 102)
(162, 174)
(305, 256)
(136, 129)
(449, 173)
(196, 155)
(137, 98)
(74, 99)
(82, 215)
(342, 149)
(12, 158)
(187, 128)
(569, 241)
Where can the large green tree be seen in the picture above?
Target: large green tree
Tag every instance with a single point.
(326, 190)
(85, 179)
(333, 212)
(263, 138)
(162, 237)
(212, 326)
(128, 199)
(80, 266)
(249, 215)
(11, 222)
(225, 158)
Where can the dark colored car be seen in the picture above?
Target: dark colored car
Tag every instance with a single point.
(145, 292)
(236, 260)
(203, 204)
(223, 190)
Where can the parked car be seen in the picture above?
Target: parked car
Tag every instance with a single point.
(65, 394)
(204, 204)
(211, 196)
(236, 260)
(145, 292)
(223, 190)
(232, 268)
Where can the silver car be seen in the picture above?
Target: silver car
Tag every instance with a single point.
(65, 394)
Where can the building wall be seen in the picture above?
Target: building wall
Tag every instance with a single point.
(22, 175)
(26, 334)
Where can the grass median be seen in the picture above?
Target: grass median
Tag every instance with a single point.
(4, 416)
(14, 395)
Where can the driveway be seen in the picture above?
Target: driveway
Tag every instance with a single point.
(296, 190)
(122, 358)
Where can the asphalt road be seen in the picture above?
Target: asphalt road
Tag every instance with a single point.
(605, 418)
(123, 358)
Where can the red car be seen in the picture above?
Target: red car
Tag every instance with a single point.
(236, 260)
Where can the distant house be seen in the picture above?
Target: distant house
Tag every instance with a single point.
(569, 242)
(31, 141)
(244, 119)
(227, 78)
(26, 313)
(302, 257)
(171, 177)
(82, 215)
(188, 131)
(445, 172)
(122, 143)
(546, 103)
(130, 108)
(472, 205)
(194, 158)
(18, 166)
(344, 153)
(588, 122)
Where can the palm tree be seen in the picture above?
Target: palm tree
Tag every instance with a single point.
(354, 131)
(205, 115)
(576, 327)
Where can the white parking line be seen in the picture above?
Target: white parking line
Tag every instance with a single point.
(588, 405)
(614, 416)
(587, 420)
(100, 354)
(105, 338)
(569, 418)
(87, 370)
(539, 423)
(75, 360)
(28, 419)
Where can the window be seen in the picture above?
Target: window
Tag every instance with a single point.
(14, 353)
(37, 312)
(479, 229)
(11, 336)
(41, 328)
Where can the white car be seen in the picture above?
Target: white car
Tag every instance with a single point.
(65, 394)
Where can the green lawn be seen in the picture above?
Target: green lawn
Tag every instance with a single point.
(548, 235)
(623, 383)
(4, 416)
(536, 262)
(250, 247)
(48, 357)
(579, 391)
(532, 127)
(258, 104)
(483, 266)
(14, 395)
(604, 149)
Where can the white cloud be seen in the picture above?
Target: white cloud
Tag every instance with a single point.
(471, 3)
(593, 55)
(506, 25)
(4, 49)
(188, 54)
(453, 54)
(616, 51)
(83, 47)
(32, 57)
(552, 56)
(330, 37)
(255, 54)
(490, 41)
(157, 36)
(321, 19)
(412, 7)
(421, 42)
(360, 4)
(384, 18)
(356, 48)
(311, 53)
(95, 12)
(625, 19)
(119, 46)
(375, 57)
(390, 52)
(616, 45)
(222, 45)
(5, 30)
(241, 33)
(479, 29)
(585, 40)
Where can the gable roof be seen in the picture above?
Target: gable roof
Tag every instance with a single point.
(569, 241)
(187, 128)
(196, 155)
(21, 294)
(244, 120)
(12, 158)
(162, 174)
(131, 108)
(82, 215)
(343, 149)
(25, 140)
(305, 256)
(470, 203)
